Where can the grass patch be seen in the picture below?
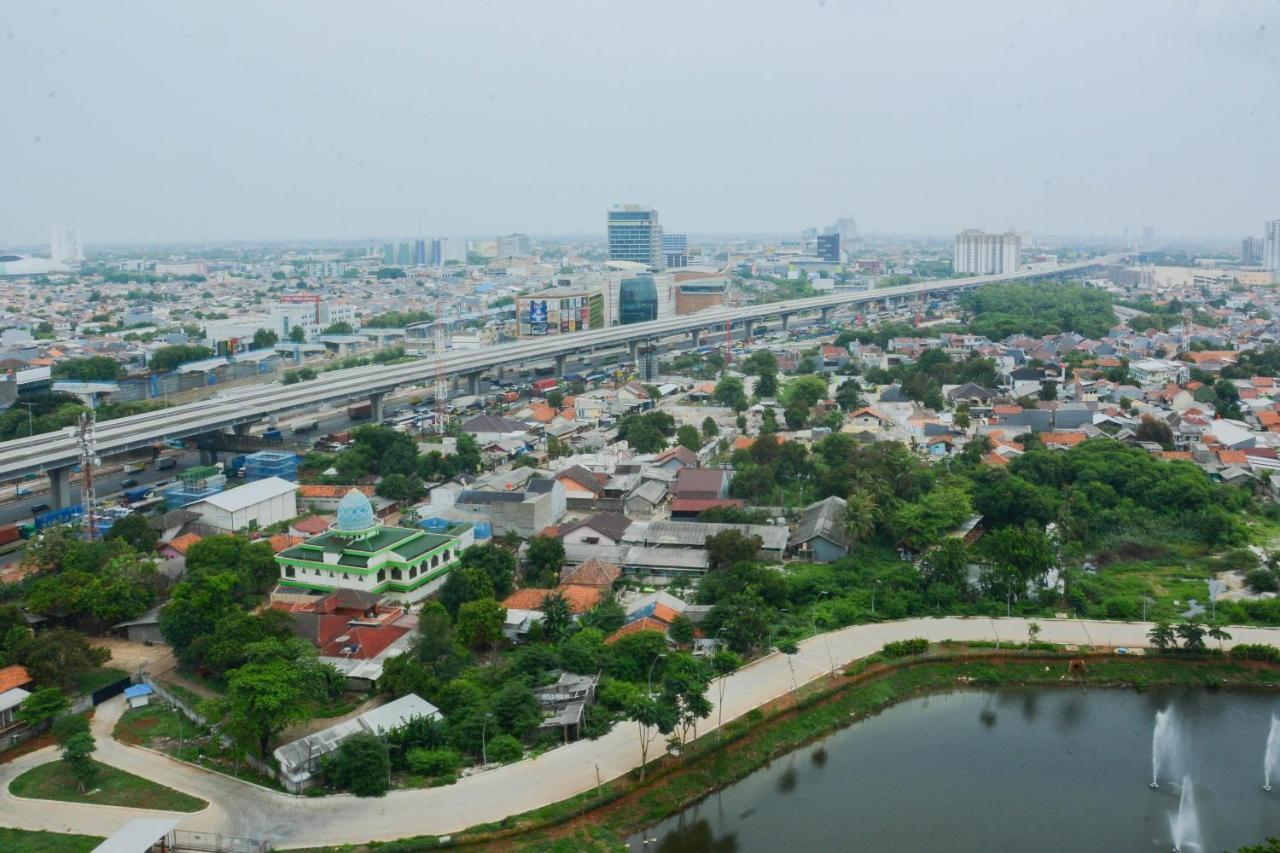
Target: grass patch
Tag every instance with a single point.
(39, 841)
(53, 781)
(90, 680)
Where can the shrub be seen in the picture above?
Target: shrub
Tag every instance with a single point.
(1262, 580)
(433, 762)
(504, 749)
(905, 648)
(65, 728)
(1256, 651)
(1120, 607)
(441, 781)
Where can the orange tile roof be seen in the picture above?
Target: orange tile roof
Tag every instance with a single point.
(331, 491)
(1006, 410)
(281, 541)
(645, 624)
(1263, 381)
(1172, 455)
(663, 613)
(13, 676)
(1268, 418)
(312, 525)
(1233, 457)
(1211, 355)
(529, 598)
(579, 597)
(182, 543)
(1062, 439)
(995, 459)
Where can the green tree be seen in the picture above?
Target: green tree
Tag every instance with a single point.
(729, 392)
(55, 655)
(515, 709)
(796, 414)
(42, 706)
(557, 617)
(555, 398)
(98, 368)
(709, 428)
(681, 630)
(480, 622)
(1162, 636)
(685, 681)
(77, 754)
(861, 516)
(652, 717)
(805, 390)
(339, 328)
(504, 749)
(464, 584)
(766, 387)
(171, 357)
(544, 558)
(298, 335)
(262, 698)
(730, 547)
(264, 339)
(689, 437)
(363, 765)
(1192, 634)
(68, 726)
(135, 530)
(849, 395)
(1048, 390)
(1151, 429)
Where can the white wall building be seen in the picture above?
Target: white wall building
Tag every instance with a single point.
(1270, 246)
(980, 253)
(65, 246)
(262, 501)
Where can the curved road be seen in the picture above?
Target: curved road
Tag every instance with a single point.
(240, 808)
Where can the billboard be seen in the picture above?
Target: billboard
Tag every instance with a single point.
(537, 311)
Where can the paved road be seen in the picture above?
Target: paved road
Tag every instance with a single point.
(243, 809)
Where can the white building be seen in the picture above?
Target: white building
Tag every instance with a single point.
(980, 253)
(1271, 246)
(183, 268)
(263, 502)
(313, 317)
(446, 249)
(515, 246)
(64, 245)
(1159, 371)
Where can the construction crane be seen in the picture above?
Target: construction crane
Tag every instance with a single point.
(88, 461)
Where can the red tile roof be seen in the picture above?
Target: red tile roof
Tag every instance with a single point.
(645, 624)
(14, 676)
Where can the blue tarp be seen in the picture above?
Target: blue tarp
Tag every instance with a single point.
(136, 690)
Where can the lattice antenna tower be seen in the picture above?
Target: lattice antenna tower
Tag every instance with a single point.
(88, 461)
(441, 338)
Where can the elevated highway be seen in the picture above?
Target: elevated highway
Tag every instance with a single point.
(55, 453)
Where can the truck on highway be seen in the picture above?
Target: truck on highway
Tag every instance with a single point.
(135, 466)
(542, 386)
(360, 411)
(306, 426)
(272, 434)
(166, 462)
(10, 533)
(136, 494)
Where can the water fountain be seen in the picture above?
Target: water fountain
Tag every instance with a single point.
(1185, 823)
(1273, 753)
(1164, 746)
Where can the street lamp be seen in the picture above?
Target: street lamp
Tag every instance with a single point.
(29, 427)
(484, 744)
(827, 642)
(651, 666)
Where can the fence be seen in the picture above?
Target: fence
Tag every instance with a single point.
(187, 708)
(187, 841)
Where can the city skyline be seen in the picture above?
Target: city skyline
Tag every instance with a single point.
(832, 109)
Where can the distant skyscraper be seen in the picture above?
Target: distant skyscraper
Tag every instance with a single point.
(64, 245)
(1271, 246)
(1148, 236)
(634, 234)
(980, 253)
(1251, 251)
(846, 228)
(515, 246)
(446, 249)
(420, 252)
(404, 254)
(829, 248)
(388, 253)
(675, 250)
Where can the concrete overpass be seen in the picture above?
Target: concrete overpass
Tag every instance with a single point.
(56, 453)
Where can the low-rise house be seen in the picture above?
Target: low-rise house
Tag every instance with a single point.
(644, 502)
(820, 534)
(253, 505)
(564, 703)
(14, 683)
(603, 528)
(300, 760)
(704, 483)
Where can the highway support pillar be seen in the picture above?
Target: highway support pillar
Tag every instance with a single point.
(786, 322)
(473, 383)
(241, 429)
(59, 487)
(747, 326)
(560, 360)
(696, 337)
(634, 348)
(208, 456)
(826, 315)
(375, 406)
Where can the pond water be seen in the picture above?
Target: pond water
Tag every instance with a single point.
(1009, 770)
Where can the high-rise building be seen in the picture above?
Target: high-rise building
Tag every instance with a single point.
(64, 245)
(388, 253)
(446, 249)
(1271, 246)
(1148, 236)
(1250, 251)
(675, 250)
(634, 234)
(420, 252)
(404, 253)
(515, 246)
(980, 253)
(829, 248)
(846, 228)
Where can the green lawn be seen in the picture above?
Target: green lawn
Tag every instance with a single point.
(29, 841)
(92, 679)
(53, 781)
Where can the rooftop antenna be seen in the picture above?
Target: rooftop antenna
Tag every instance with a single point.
(88, 461)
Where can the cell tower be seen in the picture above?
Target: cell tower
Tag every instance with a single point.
(441, 336)
(88, 461)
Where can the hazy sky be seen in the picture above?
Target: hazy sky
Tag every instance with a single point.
(216, 120)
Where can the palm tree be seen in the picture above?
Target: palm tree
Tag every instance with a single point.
(861, 515)
(1217, 632)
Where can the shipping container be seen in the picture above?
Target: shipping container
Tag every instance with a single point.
(135, 495)
(541, 386)
(305, 426)
(165, 463)
(343, 437)
(10, 533)
(273, 434)
(360, 411)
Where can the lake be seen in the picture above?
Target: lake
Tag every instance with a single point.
(1010, 770)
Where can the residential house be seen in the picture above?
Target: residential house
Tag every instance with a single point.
(702, 483)
(820, 535)
(603, 528)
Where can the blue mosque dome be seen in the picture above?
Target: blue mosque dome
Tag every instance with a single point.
(355, 513)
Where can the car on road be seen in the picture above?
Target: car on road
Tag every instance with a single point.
(20, 492)
(127, 482)
(36, 509)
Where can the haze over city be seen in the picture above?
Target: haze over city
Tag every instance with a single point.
(256, 121)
